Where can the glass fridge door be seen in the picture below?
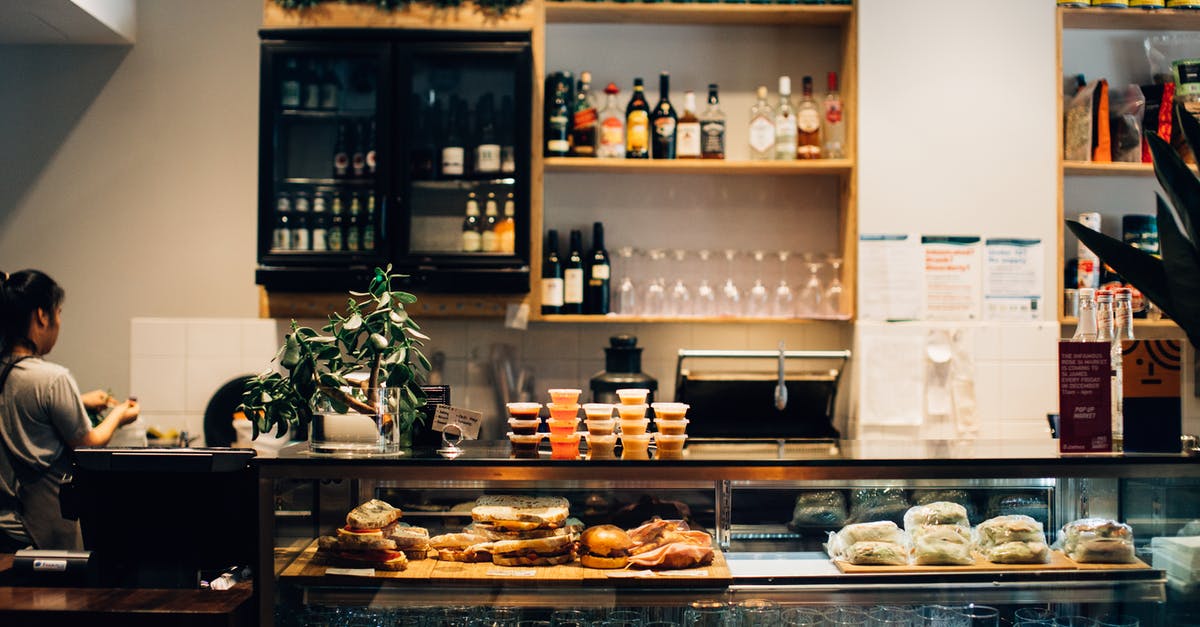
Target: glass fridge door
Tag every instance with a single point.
(321, 201)
(467, 164)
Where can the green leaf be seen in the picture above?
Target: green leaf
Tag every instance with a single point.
(423, 361)
(396, 357)
(1140, 268)
(1182, 266)
(1177, 180)
(1189, 214)
(291, 352)
(417, 334)
(378, 341)
(398, 315)
(406, 298)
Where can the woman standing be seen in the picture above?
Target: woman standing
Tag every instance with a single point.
(42, 416)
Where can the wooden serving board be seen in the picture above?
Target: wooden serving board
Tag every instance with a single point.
(302, 566)
(1058, 561)
(451, 572)
(716, 574)
(1136, 564)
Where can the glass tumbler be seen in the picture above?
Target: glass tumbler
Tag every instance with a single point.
(625, 301)
(846, 617)
(706, 613)
(980, 615)
(758, 613)
(1033, 614)
(891, 616)
(803, 616)
(1113, 620)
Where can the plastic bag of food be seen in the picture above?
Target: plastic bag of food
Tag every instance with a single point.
(962, 497)
(1077, 123)
(941, 544)
(820, 509)
(1002, 530)
(874, 504)
(1098, 540)
(881, 531)
(936, 513)
(1017, 553)
(1032, 504)
(1126, 106)
(877, 553)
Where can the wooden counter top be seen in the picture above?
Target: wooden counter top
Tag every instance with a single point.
(122, 606)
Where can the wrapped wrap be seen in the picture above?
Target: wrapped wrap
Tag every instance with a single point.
(1098, 540)
(936, 513)
(1017, 553)
(1005, 529)
(874, 504)
(820, 509)
(942, 544)
(877, 553)
(962, 497)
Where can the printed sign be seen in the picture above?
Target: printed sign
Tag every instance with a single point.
(1152, 412)
(1085, 397)
(468, 420)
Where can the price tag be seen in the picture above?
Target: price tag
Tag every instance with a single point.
(684, 573)
(512, 572)
(351, 572)
(467, 420)
(516, 316)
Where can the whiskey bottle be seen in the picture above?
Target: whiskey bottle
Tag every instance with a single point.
(584, 119)
(834, 124)
(573, 276)
(612, 126)
(808, 120)
(712, 127)
(558, 117)
(762, 128)
(663, 121)
(687, 138)
(489, 242)
(472, 238)
(552, 276)
(785, 122)
(637, 123)
(596, 298)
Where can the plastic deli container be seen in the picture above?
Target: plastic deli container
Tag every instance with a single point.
(524, 427)
(635, 446)
(669, 444)
(564, 446)
(601, 446)
(563, 427)
(602, 427)
(672, 427)
(524, 411)
(525, 446)
(633, 396)
(565, 396)
(670, 411)
(632, 412)
(563, 411)
(634, 427)
(598, 410)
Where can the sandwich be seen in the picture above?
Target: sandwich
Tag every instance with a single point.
(413, 541)
(374, 514)
(604, 546)
(534, 552)
(520, 513)
(367, 539)
(459, 547)
(491, 533)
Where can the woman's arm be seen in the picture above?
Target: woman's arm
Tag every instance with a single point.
(99, 435)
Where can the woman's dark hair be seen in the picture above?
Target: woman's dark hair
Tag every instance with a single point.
(21, 294)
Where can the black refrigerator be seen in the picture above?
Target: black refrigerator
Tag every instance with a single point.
(381, 146)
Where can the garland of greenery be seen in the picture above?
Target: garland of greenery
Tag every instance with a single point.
(499, 7)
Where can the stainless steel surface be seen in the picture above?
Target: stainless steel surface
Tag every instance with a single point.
(781, 394)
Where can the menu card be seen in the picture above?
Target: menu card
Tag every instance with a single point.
(1084, 397)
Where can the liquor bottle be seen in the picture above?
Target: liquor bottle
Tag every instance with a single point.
(453, 152)
(1085, 327)
(281, 236)
(289, 85)
(558, 117)
(573, 276)
(687, 139)
(584, 119)
(330, 88)
(337, 226)
(785, 122)
(300, 234)
(358, 159)
(1122, 330)
(368, 227)
(508, 152)
(808, 120)
(762, 128)
(612, 126)
(311, 94)
(712, 127)
(506, 230)
(341, 153)
(489, 240)
(320, 224)
(472, 238)
(487, 151)
(552, 276)
(637, 123)
(663, 121)
(370, 142)
(833, 122)
(596, 297)
(426, 123)
(354, 225)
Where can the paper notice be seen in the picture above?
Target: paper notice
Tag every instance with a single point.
(892, 388)
(351, 572)
(889, 277)
(511, 572)
(1012, 279)
(953, 277)
(1084, 397)
(468, 420)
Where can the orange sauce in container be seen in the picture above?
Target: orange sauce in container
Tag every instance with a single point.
(672, 427)
(564, 396)
(564, 446)
(635, 446)
(567, 411)
(563, 427)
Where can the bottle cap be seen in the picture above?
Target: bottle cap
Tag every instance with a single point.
(832, 81)
(611, 89)
(585, 76)
(785, 85)
(761, 92)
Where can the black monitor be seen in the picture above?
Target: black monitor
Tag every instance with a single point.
(158, 518)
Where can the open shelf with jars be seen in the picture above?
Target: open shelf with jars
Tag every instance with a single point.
(1097, 18)
(682, 209)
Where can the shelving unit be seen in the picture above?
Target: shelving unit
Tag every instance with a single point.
(1130, 19)
(699, 166)
(697, 13)
(615, 318)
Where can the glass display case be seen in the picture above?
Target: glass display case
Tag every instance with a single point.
(769, 506)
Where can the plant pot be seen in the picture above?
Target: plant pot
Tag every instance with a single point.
(370, 424)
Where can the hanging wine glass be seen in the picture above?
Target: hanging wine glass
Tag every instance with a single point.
(655, 303)
(730, 302)
(626, 300)
(831, 302)
(759, 301)
(705, 304)
(784, 303)
(810, 296)
(679, 296)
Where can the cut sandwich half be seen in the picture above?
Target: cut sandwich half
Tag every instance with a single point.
(379, 560)
(521, 513)
(460, 547)
(535, 552)
(374, 514)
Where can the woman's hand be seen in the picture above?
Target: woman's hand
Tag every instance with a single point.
(97, 400)
(126, 412)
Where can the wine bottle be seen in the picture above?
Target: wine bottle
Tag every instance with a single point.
(637, 123)
(491, 217)
(552, 277)
(453, 151)
(558, 116)
(472, 239)
(663, 121)
(596, 299)
(487, 151)
(573, 276)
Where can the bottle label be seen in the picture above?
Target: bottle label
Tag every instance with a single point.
(585, 118)
(371, 161)
(341, 164)
(558, 145)
(713, 137)
(487, 158)
(664, 128)
(762, 134)
(289, 96)
(320, 239)
(637, 138)
(552, 292)
(334, 239)
(300, 239)
(833, 112)
(452, 160)
(573, 286)
(808, 120)
(489, 242)
(556, 136)
(600, 272)
(687, 142)
(472, 241)
(612, 137)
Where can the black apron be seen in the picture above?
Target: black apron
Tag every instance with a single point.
(37, 495)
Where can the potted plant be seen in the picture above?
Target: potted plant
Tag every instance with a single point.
(1172, 282)
(355, 384)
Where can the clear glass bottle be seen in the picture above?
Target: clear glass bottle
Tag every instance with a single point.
(762, 128)
(489, 242)
(712, 127)
(785, 122)
(1122, 330)
(687, 133)
(472, 238)
(612, 126)
(834, 122)
(1085, 327)
(808, 122)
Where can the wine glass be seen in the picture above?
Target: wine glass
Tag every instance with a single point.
(811, 295)
(730, 303)
(784, 304)
(759, 300)
(831, 301)
(705, 303)
(655, 303)
(626, 301)
(679, 297)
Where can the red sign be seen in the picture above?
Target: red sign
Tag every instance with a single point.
(1085, 397)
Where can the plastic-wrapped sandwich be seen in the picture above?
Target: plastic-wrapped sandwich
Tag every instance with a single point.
(940, 532)
(822, 509)
(878, 543)
(1098, 540)
(1014, 539)
(936, 513)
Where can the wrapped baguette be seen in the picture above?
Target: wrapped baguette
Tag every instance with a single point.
(1098, 540)
(1005, 529)
(879, 543)
(942, 544)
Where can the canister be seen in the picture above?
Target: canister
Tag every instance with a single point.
(1146, 4)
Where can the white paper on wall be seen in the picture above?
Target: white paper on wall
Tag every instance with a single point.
(892, 384)
(889, 277)
(953, 277)
(1012, 279)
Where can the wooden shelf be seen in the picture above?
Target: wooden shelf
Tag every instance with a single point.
(1138, 323)
(1088, 168)
(705, 166)
(617, 319)
(1130, 19)
(696, 13)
